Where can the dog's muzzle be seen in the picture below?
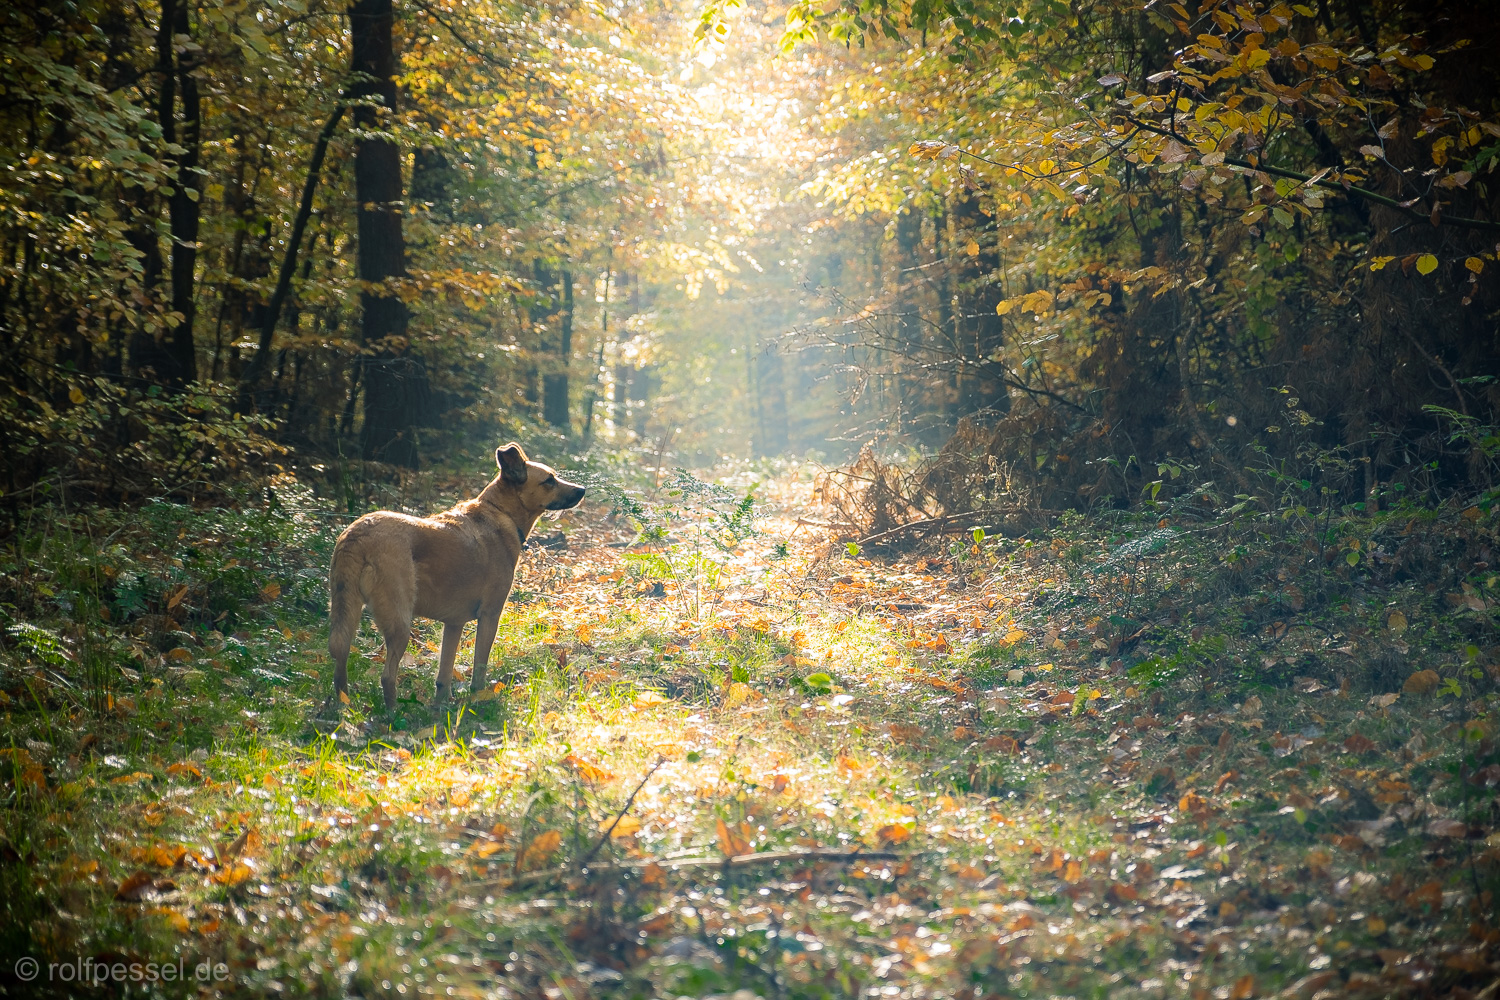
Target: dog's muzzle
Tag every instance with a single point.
(569, 499)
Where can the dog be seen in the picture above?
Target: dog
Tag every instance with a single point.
(454, 567)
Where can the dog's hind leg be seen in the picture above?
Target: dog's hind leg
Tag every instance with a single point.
(345, 605)
(452, 633)
(484, 638)
(396, 638)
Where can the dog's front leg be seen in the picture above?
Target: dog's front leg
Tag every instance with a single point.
(452, 632)
(484, 638)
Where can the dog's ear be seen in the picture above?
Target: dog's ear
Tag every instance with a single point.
(512, 462)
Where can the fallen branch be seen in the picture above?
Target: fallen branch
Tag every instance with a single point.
(942, 522)
(817, 855)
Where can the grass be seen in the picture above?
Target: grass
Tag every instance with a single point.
(1118, 761)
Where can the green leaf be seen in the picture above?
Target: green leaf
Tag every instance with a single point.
(1352, 558)
(852, 548)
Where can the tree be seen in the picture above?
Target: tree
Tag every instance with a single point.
(395, 379)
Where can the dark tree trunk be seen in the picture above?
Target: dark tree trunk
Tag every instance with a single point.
(183, 207)
(394, 379)
(289, 262)
(150, 351)
(555, 384)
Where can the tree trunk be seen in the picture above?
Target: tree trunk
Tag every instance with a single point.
(394, 379)
(183, 207)
(288, 262)
(555, 384)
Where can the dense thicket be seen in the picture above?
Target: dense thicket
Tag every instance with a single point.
(229, 227)
(1115, 235)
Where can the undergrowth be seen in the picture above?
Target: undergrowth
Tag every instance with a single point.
(1206, 747)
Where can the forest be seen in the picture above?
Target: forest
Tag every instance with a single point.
(1040, 531)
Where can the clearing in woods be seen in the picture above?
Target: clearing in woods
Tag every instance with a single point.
(735, 755)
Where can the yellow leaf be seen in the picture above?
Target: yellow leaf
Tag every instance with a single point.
(971, 248)
(485, 848)
(1012, 637)
(1474, 264)
(270, 591)
(628, 826)
(1380, 262)
(1426, 264)
(1073, 872)
(648, 698)
(174, 919)
(75, 394)
(737, 695)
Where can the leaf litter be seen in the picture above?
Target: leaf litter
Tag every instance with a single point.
(808, 772)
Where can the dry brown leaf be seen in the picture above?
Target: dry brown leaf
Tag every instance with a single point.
(1422, 682)
(1358, 743)
(134, 887)
(1447, 828)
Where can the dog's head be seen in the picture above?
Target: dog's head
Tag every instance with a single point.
(537, 486)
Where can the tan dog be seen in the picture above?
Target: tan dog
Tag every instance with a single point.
(454, 567)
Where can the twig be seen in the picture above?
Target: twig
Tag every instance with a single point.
(604, 838)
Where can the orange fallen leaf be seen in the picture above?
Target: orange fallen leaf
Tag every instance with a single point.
(1192, 802)
(542, 847)
(231, 875)
(1002, 744)
(1244, 988)
(587, 770)
(731, 842)
(892, 834)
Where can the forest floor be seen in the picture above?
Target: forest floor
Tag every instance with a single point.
(1114, 760)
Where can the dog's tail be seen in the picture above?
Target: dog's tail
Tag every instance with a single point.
(346, 602)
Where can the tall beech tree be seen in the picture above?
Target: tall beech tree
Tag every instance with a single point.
(395, 380)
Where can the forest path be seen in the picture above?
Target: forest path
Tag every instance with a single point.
(825, 774)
